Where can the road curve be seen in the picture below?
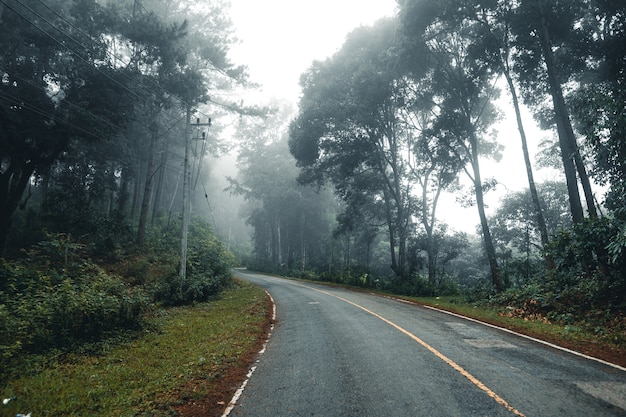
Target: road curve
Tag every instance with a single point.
(336, 352)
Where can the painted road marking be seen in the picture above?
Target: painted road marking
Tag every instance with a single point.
(432, 350)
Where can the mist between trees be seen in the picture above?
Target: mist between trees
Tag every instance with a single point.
(105, 108)
(405, 109)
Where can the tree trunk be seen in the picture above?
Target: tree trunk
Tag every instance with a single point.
(13, 182)
(136, 190)
(541, 222)
(428, 221)
(147, 191)
(430, 253)
(122, 201)
(392, 235)
(302, 244)
(279, 244)
(45, 187)
(496, 281)
(567, 140)
(186, 199)
(161, 179)
(428, 226)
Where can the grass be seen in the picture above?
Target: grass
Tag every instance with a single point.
(185, 363)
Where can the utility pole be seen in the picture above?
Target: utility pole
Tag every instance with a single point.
(187, 194)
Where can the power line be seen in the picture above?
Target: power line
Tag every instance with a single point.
(107, 52)
(61, 43)
(65, 100)
(16, 101)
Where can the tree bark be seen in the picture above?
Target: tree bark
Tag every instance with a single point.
(428, 221)
(161, 179)
(147, 191)
(392, 236)
(186, 199)
(13, 182)
(541, 222)
(490, 250)
(136, 189)
(122, 201)
(572, 162)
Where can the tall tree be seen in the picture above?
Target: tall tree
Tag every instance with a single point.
(50, 59)
(348, 132)
(433, 167)
(495, 48)
(547, 56)
(463, 91)
(598, 106)
(514, 221)
(292, 223)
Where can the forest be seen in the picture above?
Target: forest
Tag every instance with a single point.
(114, 115)
(404, 113)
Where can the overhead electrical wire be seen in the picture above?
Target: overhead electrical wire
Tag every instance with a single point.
(29, 106)
(63, 44)
(65, 100)
(16, 101)
(19, 102)
(81, 45)
(88, 49)
(109, 53)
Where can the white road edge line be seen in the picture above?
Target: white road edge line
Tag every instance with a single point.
(233, 401)
(543, 342)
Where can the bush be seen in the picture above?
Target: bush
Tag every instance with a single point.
(54, 299)
(208, 272)
(586, 276)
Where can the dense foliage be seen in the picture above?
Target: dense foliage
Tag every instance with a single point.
(406, 106)
(93, 99)
(54, 297)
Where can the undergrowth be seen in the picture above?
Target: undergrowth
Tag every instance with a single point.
(56, 300)
(180, 362)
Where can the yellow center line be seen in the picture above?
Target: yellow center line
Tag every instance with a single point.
(434, 351)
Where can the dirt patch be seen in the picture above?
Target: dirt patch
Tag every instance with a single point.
(209, 397)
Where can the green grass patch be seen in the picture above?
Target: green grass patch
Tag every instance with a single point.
(180, 362)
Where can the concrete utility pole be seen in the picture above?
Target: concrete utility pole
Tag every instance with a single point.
(187, 194)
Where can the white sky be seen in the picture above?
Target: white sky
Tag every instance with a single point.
(281, 38)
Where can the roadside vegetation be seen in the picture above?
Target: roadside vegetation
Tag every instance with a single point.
(98, 158)
(189, 361)
(81, 336)
(600, 339)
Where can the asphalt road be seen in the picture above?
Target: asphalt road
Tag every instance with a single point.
(335, 352)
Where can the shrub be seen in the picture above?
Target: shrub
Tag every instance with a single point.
(586, 276)
(54, 299)
(208, 270)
